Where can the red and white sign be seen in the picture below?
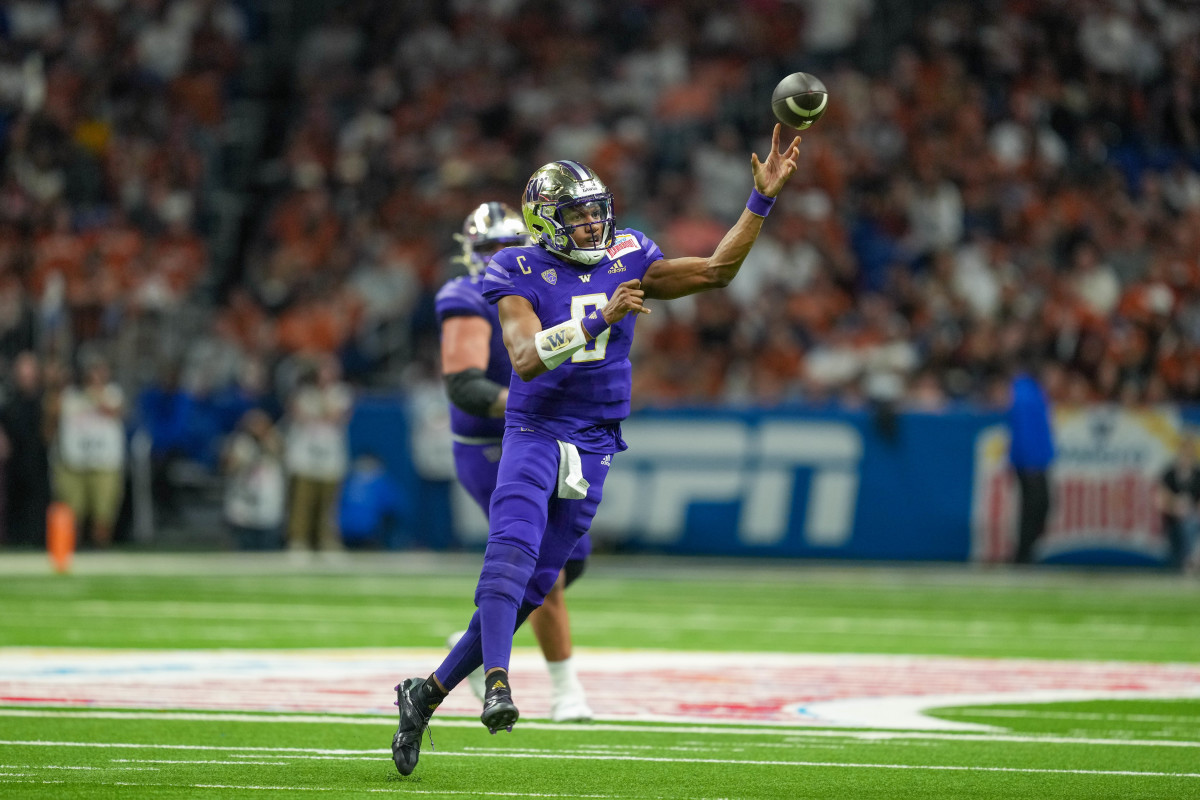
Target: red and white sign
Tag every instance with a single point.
(1103, 481)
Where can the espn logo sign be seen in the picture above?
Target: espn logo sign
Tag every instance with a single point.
(758, 468)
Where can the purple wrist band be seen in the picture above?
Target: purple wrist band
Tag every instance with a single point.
(759, 203)
(595, 324)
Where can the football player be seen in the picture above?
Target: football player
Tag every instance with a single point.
(568, 305)
(476, 370)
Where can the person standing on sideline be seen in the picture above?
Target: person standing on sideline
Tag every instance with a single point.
(316, 457)
(476, 370)
(568, 305)
(90, 473)
(1030, 453)
(28, 479)
(255, 485)
(1179, 501)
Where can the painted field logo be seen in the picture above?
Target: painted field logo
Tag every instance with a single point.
(842, 689)
(1103, 486)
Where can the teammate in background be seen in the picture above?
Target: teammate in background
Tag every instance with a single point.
(476, 369)
(1179, 503)
(567, 308)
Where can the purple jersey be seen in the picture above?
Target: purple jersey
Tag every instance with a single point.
(584, 400)
(463, 297)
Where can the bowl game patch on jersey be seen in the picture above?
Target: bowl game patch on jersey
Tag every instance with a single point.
(625, 243)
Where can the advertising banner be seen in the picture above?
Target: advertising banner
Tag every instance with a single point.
(838, 484)
(1103, 484)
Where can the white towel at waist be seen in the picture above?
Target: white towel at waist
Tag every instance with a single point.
(571, 483)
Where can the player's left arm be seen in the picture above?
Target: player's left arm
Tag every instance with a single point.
(466, 345)
(676, 277)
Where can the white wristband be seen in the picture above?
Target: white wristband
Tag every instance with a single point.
(555, 345)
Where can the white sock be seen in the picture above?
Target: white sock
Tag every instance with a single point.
(563, 677)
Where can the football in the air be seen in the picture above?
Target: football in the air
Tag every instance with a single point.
(799, 100)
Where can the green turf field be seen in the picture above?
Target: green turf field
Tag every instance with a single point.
(173, 677)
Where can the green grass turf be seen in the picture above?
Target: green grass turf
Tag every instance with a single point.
(1059, 750)
(686, 605)
(150, 758)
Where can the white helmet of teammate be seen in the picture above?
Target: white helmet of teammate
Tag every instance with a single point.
(489, 228)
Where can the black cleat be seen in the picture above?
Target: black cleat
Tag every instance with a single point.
(416, 707)
(498, 708)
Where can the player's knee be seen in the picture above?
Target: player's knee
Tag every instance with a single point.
(506, 572)
(517, 521)
(541, 585)
(527, 608)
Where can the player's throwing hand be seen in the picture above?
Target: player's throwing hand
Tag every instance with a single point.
(772, 174)
(628, 297)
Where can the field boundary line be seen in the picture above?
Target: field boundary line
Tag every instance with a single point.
(719, 761)
(765, 730)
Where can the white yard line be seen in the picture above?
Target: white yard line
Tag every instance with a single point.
(867, 736)
(508, 754)
(588, 728)
(1085, 716)
(183, 761)
(398, 790)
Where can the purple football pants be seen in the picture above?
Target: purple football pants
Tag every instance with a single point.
(533, 533)
(477, 466)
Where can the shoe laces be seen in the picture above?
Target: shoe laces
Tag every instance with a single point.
(428, 729)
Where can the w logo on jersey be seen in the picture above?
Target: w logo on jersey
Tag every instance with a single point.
(550, 276)
(585, 278)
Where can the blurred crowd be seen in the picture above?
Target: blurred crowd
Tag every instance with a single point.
(110, 119)
(992, 182)
(1008, 179)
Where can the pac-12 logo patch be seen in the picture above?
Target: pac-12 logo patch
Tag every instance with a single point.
(550, 276)
(626, 243)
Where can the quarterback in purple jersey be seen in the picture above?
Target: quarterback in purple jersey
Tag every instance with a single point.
(476, 370)
(568, 306)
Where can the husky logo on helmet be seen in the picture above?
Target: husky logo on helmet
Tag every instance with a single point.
(488, 228)
(564, 196)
